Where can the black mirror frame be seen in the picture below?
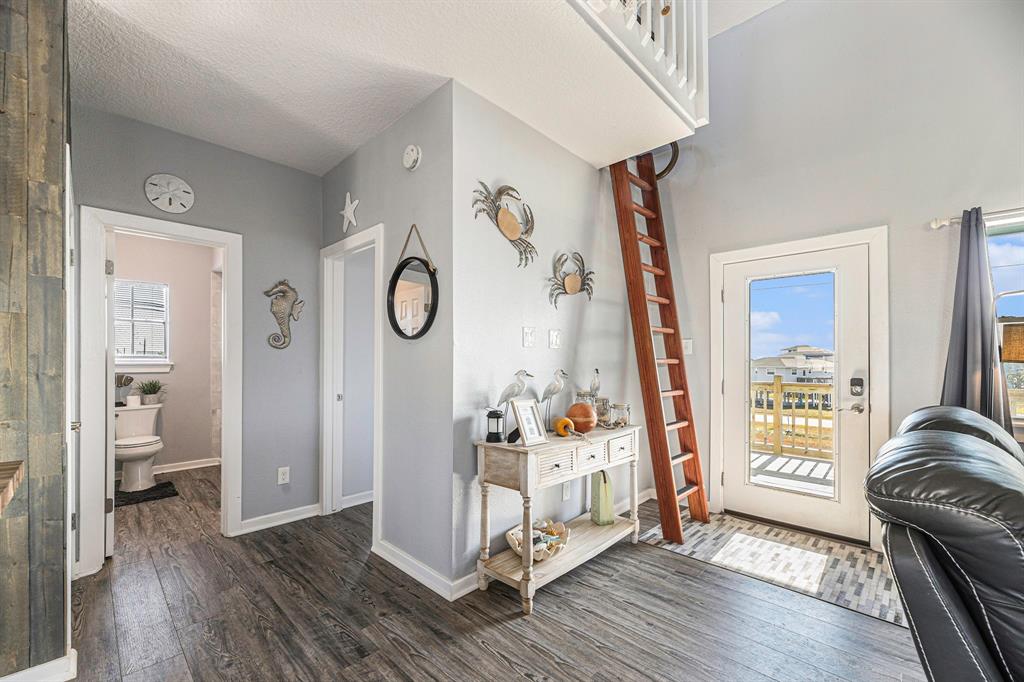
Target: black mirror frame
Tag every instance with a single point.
(393, 284)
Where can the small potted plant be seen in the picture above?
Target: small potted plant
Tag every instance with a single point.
(150, 390)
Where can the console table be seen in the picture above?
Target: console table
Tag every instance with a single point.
(529, 469)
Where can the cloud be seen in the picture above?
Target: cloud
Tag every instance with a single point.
(763, 319)
(1001, 255)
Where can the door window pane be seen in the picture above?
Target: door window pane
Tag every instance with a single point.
(791, 330)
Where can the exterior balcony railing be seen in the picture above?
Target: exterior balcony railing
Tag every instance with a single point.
(792, 419)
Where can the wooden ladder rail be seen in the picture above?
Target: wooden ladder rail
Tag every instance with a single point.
(659, 428)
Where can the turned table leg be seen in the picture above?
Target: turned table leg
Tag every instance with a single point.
(634, 494)
(485, 535)
(526, 588)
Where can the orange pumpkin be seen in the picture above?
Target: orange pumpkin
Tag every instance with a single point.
(583, 416)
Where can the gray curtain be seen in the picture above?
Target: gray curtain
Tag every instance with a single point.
(974, 375)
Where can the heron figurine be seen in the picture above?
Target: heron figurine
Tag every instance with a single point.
(513, 391)
(553, 389)
(595, 384)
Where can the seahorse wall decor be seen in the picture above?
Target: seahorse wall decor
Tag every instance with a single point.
(285, 306)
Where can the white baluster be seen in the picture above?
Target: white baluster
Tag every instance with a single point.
(659, 34)
(672, 52)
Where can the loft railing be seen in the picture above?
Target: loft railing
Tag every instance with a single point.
(665, 42)
(791, 419)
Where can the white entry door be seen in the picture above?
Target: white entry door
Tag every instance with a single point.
(795, 365)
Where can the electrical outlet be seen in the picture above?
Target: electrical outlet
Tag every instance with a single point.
(529, 337)
(566, 491)
(687, 346)
(554, 338)
(283, 475)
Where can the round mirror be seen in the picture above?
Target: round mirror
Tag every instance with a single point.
(412, 298)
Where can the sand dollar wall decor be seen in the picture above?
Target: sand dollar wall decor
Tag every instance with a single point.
(569, 283)
(514, 225)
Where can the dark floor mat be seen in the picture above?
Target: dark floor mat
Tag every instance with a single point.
(157, 492)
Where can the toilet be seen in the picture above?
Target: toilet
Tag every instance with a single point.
(135, 445)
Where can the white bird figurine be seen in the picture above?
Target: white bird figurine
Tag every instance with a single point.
(515, 389)
(553, 389)
(595, 384)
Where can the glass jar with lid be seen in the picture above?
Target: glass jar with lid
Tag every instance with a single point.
(619, 415)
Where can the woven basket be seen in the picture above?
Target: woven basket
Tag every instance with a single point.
(515, 541)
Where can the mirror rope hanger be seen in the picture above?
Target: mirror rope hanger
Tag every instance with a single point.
(423, 246)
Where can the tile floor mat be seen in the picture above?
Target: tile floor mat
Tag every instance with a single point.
(850, 576)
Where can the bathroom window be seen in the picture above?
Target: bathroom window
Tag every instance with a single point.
(140, 322)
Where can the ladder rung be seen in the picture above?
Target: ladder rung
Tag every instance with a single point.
(669, 394)
(681, 457)
(660, 300)
(639, 182)
(686, 491)
(663, 330)
(672, 426)
(667, 361)
(644, 211)
(656, 271)
(650, 241)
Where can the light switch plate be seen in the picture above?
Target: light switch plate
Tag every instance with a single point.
(283, 475)
(566, 491)
(554, 338)
(529, 337)
(687, 346)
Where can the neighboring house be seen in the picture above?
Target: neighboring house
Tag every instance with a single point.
(796, 364)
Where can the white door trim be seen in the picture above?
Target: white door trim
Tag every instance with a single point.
(94, 225)
(877, 239)
(330, 266)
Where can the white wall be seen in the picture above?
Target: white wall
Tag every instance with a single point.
(185, 423)
(417, 390)
(574, 211)
(278, 211)
(832, 116)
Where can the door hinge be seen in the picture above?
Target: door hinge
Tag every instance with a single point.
(110, 267)
(723, 386)
(71, 257)
(723, 295)
(110, 505)
(74, 521)
(723, 477)
(76, 426)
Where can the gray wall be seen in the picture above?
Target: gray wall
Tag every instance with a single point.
(494, 298)
(357, 430)
(278, 212)
(185, 423)
(417, 390)
(830, 116)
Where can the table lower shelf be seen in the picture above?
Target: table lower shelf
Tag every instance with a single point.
(586, 540)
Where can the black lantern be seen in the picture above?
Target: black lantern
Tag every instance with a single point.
(495, 426)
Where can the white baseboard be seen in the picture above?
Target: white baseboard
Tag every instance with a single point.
(356, 499)
(428, 577)
(180, 466)
(57, 670)
(277, 519)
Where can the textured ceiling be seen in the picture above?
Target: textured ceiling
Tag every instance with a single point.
(305, 82)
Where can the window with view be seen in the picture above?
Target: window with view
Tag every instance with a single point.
(1006, 258)
(140, 321)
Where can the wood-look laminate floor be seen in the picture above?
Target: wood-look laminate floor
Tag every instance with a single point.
(307, 601)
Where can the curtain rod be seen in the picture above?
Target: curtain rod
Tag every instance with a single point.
(992, 219)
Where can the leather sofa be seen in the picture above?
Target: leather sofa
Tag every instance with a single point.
(949, 490)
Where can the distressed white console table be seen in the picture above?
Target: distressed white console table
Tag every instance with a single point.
(533, 468)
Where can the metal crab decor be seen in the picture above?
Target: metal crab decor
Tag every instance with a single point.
(496, 206)
(570, 283)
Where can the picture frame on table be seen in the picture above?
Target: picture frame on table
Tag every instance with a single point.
(529, 421)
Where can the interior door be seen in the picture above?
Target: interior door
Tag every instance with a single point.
(796, 436)
(109, 527)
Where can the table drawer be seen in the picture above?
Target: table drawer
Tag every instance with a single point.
(556, 465)
(592, 456)
(622, 447)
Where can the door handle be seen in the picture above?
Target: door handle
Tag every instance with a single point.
(856, 408)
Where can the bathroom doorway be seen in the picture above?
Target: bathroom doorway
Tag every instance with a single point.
(161, 305)
(351, 422)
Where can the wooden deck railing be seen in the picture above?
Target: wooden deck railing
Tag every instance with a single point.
(792, 419)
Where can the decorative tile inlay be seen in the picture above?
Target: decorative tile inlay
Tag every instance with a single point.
(850, 576)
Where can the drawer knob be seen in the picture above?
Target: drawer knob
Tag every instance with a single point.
(557, 465)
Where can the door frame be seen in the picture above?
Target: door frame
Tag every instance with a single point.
(95, 380)
(331, 342)
(877, 240)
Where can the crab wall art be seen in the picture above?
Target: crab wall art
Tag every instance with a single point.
(570, 283)
(496, 206)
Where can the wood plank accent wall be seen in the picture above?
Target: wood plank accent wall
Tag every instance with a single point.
(32, 132)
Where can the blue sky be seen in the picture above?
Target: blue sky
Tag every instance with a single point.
(1006, 257)
(786, 311)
